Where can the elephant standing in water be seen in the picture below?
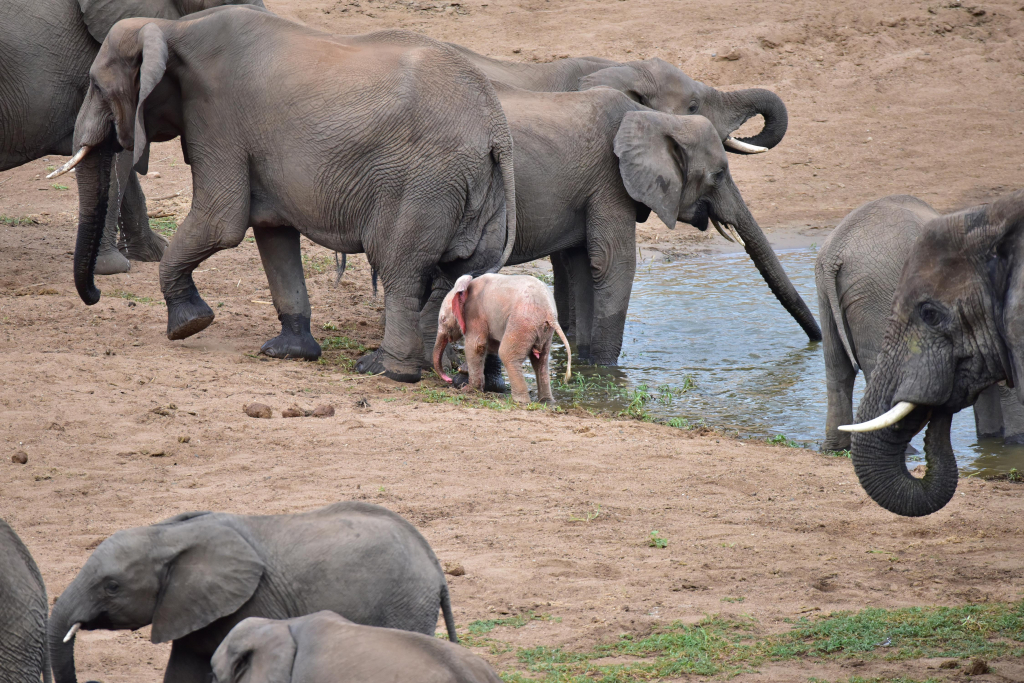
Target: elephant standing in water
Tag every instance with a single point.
(956, 328)
(46, 47)
(389, 143)
(856, 273)
(196, 575)
(23, 609)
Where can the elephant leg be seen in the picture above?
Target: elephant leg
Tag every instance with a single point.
(187, 666)
(110, 260)
(476, 352)
(988, 414)
(578, 265)
(612, 266)
(541, 369)
(513, 350)
(142, 243)
(839, 378)
(1013, 416)
(282, 262)
(400, 356)
(565, 296)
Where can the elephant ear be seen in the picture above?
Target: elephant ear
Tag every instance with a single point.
(626, 79)
(154, 64)
(459, 300)
(213, 574)
(1002, 227)
(100, 15)
(256, 649)
(651, 163)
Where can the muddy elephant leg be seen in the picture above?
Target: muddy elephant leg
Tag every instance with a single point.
(400, 356)
(513, 351)
(839, 378)
(187, 666)
(612, 266)
(282, 262)
(988, 414)
(142, 243)
(565, 296)
(1013, 416)
(577, 264)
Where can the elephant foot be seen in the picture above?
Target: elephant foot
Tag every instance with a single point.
(373, 364)
(147, 247)
(295, 340)
(187, 315)
(521, 399)
(828, 446)
(493, 381)
(112, 262)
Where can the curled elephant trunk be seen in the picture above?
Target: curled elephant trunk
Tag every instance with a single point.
(735, 213)
(62, 653)
(745, 104)
(93, 188)
(439, 347)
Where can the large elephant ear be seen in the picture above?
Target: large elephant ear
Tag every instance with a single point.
(214, 572)
(651, 163)
(1003, 223)
(100, 15)
(626, 79)
(256, 650)
(154, 64)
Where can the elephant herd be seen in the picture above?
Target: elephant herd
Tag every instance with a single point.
(350, 587)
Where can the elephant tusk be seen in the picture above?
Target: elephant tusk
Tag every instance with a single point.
(72, 631)
(72, 163)
(895, 414)
(721, 231)
(733, 143)
(736, 235)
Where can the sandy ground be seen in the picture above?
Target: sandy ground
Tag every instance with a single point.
(883, 97)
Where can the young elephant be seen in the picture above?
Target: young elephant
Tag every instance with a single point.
(22, 613)
(326, 648)
(513, 315)
(196, 575)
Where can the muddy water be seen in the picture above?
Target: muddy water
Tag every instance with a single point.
(710, 342)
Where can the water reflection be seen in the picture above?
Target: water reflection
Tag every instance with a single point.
(712, 324)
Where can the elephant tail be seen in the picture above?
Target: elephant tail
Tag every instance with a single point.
(446, 610)
(568, 351)
(830, 273)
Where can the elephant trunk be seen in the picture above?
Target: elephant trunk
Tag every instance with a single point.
(439, 347)
(744, 104)
(879, 457)
(763, 256)
(93, 187)
(62, 655)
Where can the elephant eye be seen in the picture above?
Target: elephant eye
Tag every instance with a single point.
(694, 106)
(931, 315)
(111, 586)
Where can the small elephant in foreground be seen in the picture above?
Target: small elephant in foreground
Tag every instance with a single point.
(22, 613)
(513, 315)
(196, 575)
(326, 648)
(856, 274)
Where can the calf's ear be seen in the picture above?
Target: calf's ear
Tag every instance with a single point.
(461, 289)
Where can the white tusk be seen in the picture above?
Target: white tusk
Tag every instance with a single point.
(895, 414)
(72, 631)
(721, 231)
(736, 235)
(72, 163)
(733, 143)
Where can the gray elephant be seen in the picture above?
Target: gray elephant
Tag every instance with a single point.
(588, 166)
(46, 47)
(856, 273)
(956, 327)
(196, 575)
(23, 655)
(389, 143)
(327, 648)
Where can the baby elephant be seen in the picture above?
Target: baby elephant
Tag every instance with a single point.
(513, 315)
(326, 648)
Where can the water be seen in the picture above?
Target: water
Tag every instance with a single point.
(712, 323)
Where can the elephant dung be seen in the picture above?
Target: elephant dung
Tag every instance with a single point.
(258, 410)
(19, 457)
(454, 569)
(977, 667)
(323, 410)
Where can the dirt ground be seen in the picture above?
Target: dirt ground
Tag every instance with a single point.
(546, 512)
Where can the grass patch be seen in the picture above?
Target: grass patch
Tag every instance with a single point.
(845, 453)
(165, 226)
(15, 220)
(345, 343)
(718, 645)
(58, 186)
(783, 440)
(131, 297)
(316, 265)
(656, 540)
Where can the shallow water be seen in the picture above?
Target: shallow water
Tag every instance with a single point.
(711, 342)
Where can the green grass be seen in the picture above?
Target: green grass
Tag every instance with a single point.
(58, 186)
(316, 265)
(331, 343)
(131, 297)
(718, 645)
(783, 440)
(475, 400)
(838, 454)
(656, 540)
(164, 226)
(15, 220)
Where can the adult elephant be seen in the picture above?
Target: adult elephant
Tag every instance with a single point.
(856, 273)
(389, 143)
(956, 327)
(46, 47)
(588, 166)
(23, 609)
(196, 575)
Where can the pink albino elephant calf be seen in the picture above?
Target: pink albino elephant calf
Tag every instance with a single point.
(512, 314)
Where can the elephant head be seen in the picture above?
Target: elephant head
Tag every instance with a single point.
(663, 87)
(676, 165)
(101, 15)
(256, 650)
(180, 576)
(956, 327)
(451, 321)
